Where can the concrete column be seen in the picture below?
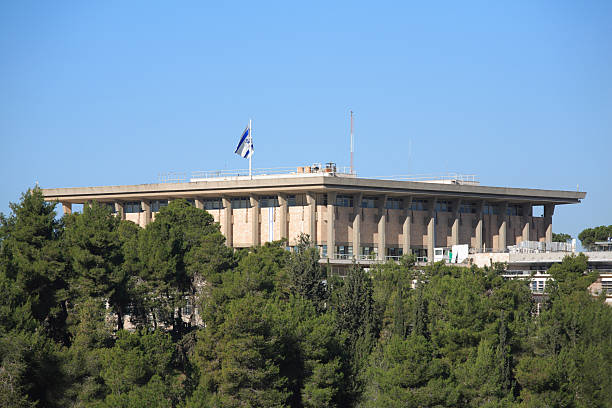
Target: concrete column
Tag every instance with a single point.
(406, 227)
(119, 209)
(199, 203)
(527, 214)
(146, 214)
(331, 225)
(282, 216)
(67, 208)
(357, 198)
(455, 226)
(502, 241)
(255, 235)
(312, 216)
(478, 232)
(382, 227)
(549, 210)
(227, 229)
(431, 230)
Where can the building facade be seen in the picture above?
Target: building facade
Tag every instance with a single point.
(349, 218)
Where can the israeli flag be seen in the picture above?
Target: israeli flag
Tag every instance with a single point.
(245, 146)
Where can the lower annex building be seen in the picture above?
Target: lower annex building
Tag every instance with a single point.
(347, 217)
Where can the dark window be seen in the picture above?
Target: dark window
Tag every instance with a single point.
(418, 205)
(132, 207)
(322, 199)
(268, 201)
(213, 204)
(395, 252)
(111, 207)
(514, 209)
(156, 205)
(369, 202)
(444, 206)
(241, 202)
(393, 204)
(467, 208)
(291, 201)
(344, 201)
(488, 208)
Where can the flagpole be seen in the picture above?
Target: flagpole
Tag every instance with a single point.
(250, 148)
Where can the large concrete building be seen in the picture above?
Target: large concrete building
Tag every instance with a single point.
(348, 217)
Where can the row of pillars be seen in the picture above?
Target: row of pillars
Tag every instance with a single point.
(382, 221)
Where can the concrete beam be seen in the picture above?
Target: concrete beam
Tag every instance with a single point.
(406, 226)
(311, 200)
(282, 216)
(255, 227)
(120, 209)
(431, 230)
(146, 214)
(67, 208)
(549, 210)
(227, 227)
(526, 219)
(502, 241)
(382, 227)
(455, 226)
(478, 232)
(357, 211)
(331, 225)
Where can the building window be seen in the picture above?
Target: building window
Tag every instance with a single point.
(322, 250)
(268, 201)
(156, 205)
(395, 252)
(490, 209)
(344, 201)
(213, 204)
(322, 199)
(241, 202)
(418, 205)
(393, 204)
(444, 206)
(190, 201)
(514, 209)
(132, 207)
(369, 251)
(369, 202)
(291, 201)
(468, 208)
(344, 251)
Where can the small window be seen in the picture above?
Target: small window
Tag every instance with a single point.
(322, 199)
(132, 207)
(241, 202)
(369, 202)
(156, 205)
(468, 208)
(213, 204)
(268, 201)
(444, 206)
(323, 250)
(514, 209)
(418, 205)
(393, 204)
(395, 252)
(490, 209)
(291, 201)
(344, 201)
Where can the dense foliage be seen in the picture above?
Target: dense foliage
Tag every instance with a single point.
(561, 237)
(589, 236)
(98, 312)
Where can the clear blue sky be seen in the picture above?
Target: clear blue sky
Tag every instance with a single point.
(115, 92)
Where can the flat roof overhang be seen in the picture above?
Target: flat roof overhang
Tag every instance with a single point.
(321, 184)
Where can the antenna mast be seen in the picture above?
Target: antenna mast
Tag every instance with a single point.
(352, 144)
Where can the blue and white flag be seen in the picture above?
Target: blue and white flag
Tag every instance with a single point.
(245, 146)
